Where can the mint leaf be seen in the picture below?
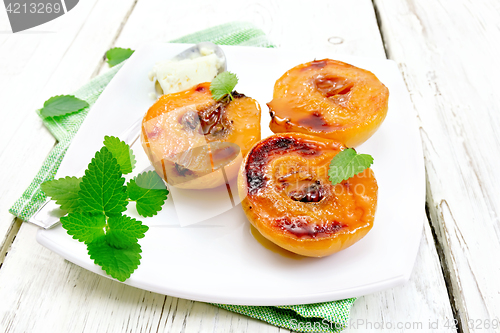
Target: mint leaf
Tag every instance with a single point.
(117, 55)
(222, 85)
(149, 192)
(124, 231)
(64, 191)
(84, 226)
(346, 164)
(61, 105)
(95, 204)
(101, 189)
(119, 263)
(122, 152)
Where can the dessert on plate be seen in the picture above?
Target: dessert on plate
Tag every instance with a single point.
(329, 99)
(287, 196)
(195, 142)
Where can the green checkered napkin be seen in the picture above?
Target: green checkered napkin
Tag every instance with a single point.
(324, 317)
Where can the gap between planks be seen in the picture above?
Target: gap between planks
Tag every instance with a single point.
(16, 222)
(118, 33)
(444, 267)
(379, 25)
(439, 248)
(9, 239)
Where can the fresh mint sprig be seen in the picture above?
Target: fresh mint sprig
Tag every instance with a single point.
(65, 192)
(119, 263)
(61, 105)
(223, 85)
(84, 227)
(95, 204)
(346, 164)
(122, 152)
(102, 190)
(148, 191)
(117, 55)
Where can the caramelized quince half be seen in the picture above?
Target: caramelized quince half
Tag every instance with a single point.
(287, 195)
(330, 99)
(194, 142)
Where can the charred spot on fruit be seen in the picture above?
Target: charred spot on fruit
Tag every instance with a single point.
(331, 86)
(316, 122)
(236, 94)
(190, 120)
(303, 227)
(213, 119)
(307, 194)
(278, 146)
(316, 64)
(263, 152)
(285, 143)
(255, 181)
(183, 171)
(229, 97)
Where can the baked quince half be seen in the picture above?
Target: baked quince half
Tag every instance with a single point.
(330, 99)
(195, 142)
(287, 195)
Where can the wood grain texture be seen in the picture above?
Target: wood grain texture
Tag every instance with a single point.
(448, 52)
(423, 299)
(58, 296)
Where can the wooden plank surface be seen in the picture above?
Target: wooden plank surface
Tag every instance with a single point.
(421, 305)
(448, 52)
(58, 296)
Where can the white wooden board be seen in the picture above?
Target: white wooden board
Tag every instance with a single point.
(43, 293)
(448, 52)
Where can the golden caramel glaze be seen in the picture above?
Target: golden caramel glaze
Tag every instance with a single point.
(330, 99)
(287, 196)
(188, 136)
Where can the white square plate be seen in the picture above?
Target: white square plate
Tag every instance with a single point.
(218, 260)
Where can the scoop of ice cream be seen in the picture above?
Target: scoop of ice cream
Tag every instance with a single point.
(172, 76)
